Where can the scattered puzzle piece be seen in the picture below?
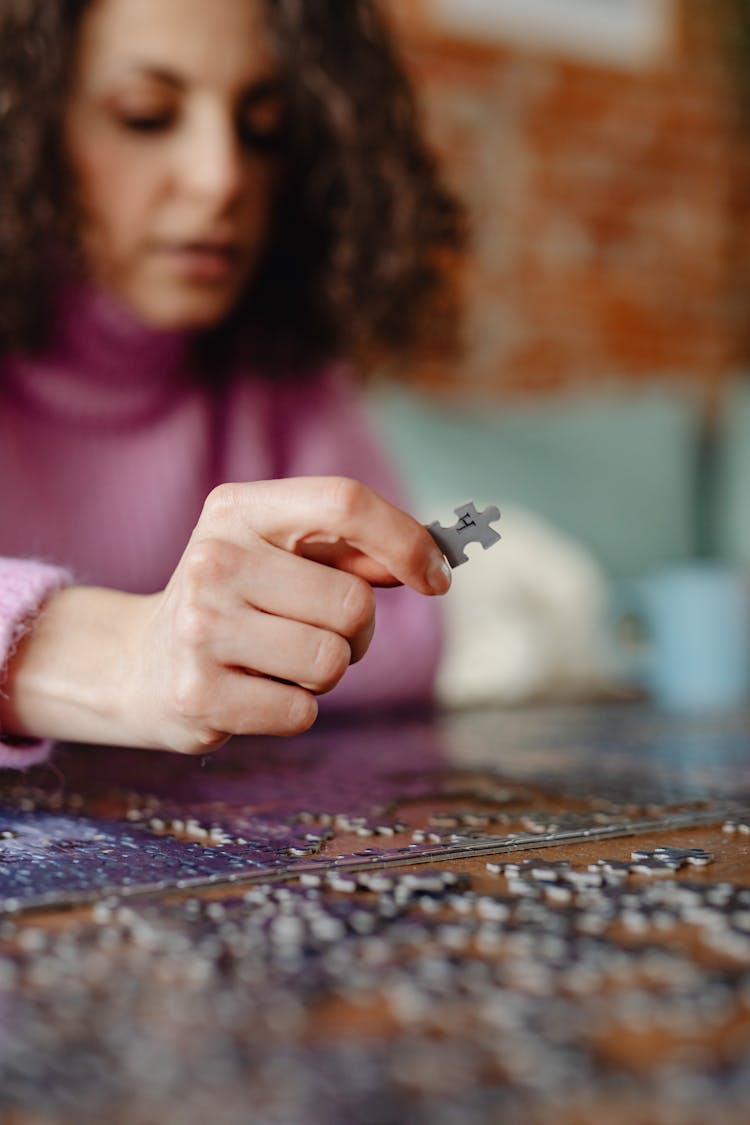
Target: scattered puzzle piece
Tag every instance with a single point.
(470, 527)
(674, 857)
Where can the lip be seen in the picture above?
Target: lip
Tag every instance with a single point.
(201, 260)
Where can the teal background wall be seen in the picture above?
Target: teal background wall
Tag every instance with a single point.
(620, 472)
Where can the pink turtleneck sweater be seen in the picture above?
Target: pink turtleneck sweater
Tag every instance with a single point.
(108, 449)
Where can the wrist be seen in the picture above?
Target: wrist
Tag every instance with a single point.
(67, 677)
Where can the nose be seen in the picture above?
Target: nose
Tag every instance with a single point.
(211, 163)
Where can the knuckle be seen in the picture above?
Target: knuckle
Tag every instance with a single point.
(302, 711)
(196, 626)
(207, 562)
(201, 741)
(190, 696)
(221, 499)
(332, 658)
(358, 605)
(207, 740)
(346, 497)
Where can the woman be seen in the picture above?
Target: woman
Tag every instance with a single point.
(201, 209)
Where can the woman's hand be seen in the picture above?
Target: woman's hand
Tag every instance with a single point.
(269, 604)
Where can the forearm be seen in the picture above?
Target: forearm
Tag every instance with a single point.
(246, 633)
(67, 677)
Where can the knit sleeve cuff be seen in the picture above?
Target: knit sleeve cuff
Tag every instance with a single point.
(21, 755)
(24, 586)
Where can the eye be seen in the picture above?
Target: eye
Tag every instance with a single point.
(262, 121)
(264, 142)
(146, 123)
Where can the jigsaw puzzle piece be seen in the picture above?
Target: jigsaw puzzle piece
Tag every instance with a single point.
(470, 527)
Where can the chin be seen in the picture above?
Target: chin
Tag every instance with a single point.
(185, 314)
(183, 308)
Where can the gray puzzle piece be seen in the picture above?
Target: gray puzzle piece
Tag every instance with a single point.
(471, 527)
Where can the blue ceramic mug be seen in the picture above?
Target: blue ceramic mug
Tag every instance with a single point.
(689, 628)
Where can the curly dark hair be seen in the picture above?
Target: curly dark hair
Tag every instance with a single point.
(356, 265)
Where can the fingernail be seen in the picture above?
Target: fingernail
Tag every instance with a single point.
(439, 575)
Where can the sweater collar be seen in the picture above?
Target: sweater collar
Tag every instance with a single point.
(101, 362)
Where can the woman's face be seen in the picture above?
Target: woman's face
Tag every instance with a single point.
(171, 130)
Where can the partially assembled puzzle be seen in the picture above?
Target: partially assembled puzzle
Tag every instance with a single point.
(278, 928)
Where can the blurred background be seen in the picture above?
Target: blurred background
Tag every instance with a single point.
(601, 398)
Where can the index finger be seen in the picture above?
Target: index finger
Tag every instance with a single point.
(308, 510)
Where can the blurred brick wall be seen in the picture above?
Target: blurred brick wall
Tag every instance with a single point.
(609, 209)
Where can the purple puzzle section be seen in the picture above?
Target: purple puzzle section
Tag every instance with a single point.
(107, 819)
(252, 807)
